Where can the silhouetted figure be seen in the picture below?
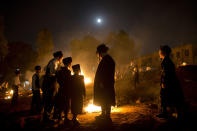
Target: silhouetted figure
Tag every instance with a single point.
(36, 98)
(171, 92)
(62, 102)
(4, 87)
(136, 76)
(104, 93)
(78, 92)
(16, 85)
(49, 87)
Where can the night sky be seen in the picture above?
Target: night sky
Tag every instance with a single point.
(150, 23)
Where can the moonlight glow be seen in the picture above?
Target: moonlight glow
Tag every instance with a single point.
(99, 20)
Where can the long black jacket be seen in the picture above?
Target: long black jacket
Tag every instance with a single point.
(64, 80)
(104, 82)
(171, 93)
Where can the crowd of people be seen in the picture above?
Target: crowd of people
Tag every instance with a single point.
(71, 91)
(69, 95)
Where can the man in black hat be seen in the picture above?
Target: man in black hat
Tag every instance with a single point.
(49, 86)
(36, 98)
(104, 94)
(63, 96)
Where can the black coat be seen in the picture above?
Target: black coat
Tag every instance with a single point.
(64, 92)
(77, 94)
(104, 82)
(171, 94)
(64, 80)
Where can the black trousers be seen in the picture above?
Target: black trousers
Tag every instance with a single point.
(165, 102)
(163, 98)
(36, 102)
(62, 104)
(49, 96)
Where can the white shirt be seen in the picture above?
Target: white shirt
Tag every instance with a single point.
(34, 82)
(53, 66)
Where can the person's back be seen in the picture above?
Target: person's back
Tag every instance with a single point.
(62, 98)
(64, 79)
(78, 86)
(78, 92)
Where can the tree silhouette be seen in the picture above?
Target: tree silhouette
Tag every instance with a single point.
(84, 52)
(44, 43)
(3, 46)
(22, 56)
(122, 47)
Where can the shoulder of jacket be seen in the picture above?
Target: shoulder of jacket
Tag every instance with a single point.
(34, 75)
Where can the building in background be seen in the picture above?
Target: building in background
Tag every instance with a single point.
(184, 54)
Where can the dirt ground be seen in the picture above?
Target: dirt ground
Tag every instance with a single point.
(128, 117)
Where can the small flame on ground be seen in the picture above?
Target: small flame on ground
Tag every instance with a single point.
(91, 108)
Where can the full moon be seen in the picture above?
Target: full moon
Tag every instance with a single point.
(99, 20)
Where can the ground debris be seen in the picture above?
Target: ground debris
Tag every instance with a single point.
(130, 117)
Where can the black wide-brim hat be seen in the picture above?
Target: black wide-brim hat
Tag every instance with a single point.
(102, 48)
(37, 67)
(58, 54)
(76, 67)
(67, 60)
(166, 49)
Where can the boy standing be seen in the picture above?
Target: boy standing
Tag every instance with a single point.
(78, 92)
(36, 98)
